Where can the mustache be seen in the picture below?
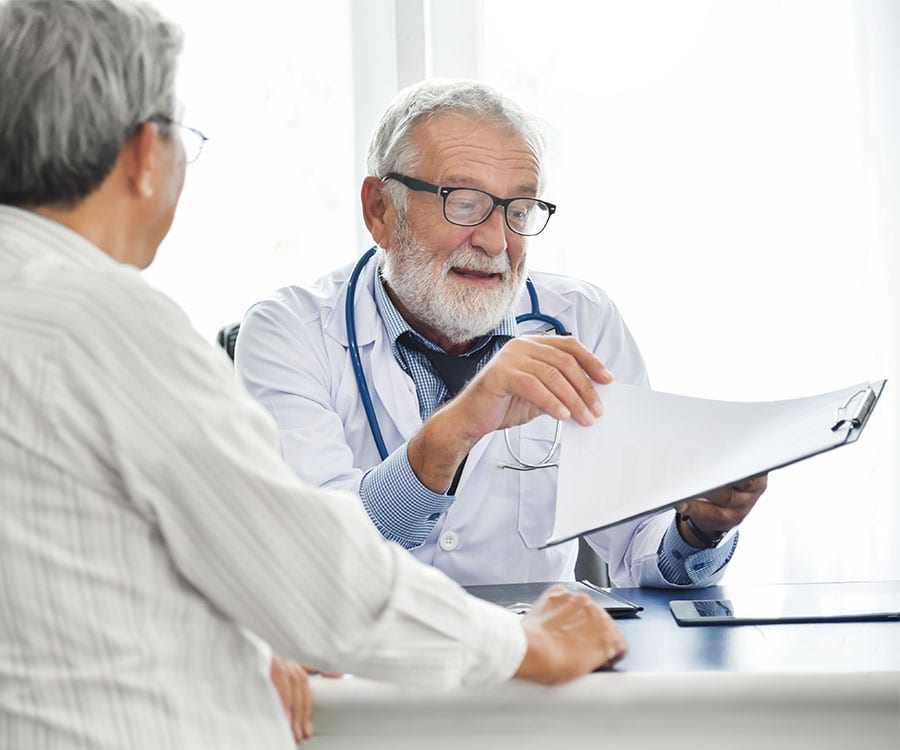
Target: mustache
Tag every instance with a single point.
(468, 257)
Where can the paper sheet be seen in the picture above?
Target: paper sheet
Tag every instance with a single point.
(651, 450)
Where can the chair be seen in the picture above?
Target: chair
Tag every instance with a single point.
(227, 338)
(591, 566)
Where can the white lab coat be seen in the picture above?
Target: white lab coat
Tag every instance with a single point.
(292, 355)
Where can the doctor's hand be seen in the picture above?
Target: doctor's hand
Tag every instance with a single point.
(720, 511)
(529, 376)
(568, 636)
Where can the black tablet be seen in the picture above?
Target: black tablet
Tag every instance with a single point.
(778, 605)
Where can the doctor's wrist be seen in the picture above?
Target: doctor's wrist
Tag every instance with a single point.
(436, 451)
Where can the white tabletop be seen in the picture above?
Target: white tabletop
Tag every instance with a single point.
(689, 711)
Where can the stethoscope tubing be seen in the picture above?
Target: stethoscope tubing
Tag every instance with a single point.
(353, 345)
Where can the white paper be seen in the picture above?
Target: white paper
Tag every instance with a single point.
(651, 450)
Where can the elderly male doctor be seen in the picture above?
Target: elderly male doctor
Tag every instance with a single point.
(453, 194)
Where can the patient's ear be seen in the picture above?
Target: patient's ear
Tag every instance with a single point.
(139, 160)
(378, 210)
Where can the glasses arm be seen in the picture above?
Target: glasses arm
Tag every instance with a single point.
(412, 183)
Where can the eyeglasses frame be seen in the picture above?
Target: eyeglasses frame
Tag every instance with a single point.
(166, 120)
(426, 187)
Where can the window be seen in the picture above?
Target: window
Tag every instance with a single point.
(273, 198)
(717, 170)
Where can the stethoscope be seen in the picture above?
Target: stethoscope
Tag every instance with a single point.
(365, 396)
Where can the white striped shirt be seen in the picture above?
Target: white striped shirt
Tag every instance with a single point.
(146, 517)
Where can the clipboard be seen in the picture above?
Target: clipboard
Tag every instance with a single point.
(651, 450)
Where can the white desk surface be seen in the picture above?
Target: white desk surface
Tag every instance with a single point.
(682, 711)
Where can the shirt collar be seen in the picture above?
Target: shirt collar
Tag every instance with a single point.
(20, 229)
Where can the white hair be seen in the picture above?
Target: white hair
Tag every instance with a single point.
(77, 78)
(392, 149)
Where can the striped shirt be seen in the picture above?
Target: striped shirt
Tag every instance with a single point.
(147, 520)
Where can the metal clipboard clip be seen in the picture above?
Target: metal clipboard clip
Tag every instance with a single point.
(855, 411)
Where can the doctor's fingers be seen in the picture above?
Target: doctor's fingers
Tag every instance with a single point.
(754, 486)
(737, 496)
(556, 398)
(559, 352)
(550, 379)
(720, 511)
(740, 496)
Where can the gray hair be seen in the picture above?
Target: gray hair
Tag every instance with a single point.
(77, 78)
(392, 148)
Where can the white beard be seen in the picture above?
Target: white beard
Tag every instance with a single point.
(435, 298)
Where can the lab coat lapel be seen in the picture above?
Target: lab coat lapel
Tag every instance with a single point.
(393, 391)
(395, 388)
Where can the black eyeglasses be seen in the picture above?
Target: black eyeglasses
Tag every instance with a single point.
(469, 207)
(192, 138)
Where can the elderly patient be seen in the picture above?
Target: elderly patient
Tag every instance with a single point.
(415, 426)
(151, 533)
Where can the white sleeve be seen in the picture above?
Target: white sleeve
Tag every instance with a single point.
(281, 360)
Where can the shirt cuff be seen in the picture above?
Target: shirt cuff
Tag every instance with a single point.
(684, 565)
(501, 647)
(401, 507)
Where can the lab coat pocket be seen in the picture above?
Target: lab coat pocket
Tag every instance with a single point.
(537, 488)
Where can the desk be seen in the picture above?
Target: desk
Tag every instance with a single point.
(658, 644)
(826, 686)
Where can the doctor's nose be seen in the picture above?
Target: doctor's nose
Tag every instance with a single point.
(491, 235)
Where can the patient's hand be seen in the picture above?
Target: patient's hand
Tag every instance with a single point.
(292, 683)
(569, 635)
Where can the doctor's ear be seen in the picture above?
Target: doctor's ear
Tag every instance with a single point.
(378, 210)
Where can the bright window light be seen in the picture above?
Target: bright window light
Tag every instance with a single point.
(713, 168)
(273, 198)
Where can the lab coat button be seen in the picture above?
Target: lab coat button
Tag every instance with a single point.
(449, 541)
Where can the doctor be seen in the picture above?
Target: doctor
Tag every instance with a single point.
(355, 368)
